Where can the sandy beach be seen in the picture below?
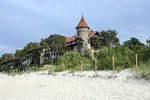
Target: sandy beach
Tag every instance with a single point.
(74, 86)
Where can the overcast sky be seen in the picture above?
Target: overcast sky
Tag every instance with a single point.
(24, 21)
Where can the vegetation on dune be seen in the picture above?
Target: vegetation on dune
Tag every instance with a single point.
(106, 42)
(123, 57)
(143, 70)
(73, 60)
(148, 42)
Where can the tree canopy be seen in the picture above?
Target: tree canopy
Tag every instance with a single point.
(109, 38)
(6, 57)
(31, 51)
(134, 44)
(148, 42)
(96, 42)
(55, 42)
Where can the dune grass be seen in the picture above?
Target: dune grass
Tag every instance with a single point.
(143, 70)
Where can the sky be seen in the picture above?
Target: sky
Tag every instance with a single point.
(24, 21)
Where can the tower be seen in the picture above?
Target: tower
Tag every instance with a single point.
(83, 31)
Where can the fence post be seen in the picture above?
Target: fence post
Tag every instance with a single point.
(113, 64)
(136, 62)
(23, 70)
(63, 66)
(70, 66)
(15, 71)
(81, 67)
(95, 66)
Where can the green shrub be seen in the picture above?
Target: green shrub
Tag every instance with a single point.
(122, 55)
(47, 67)
(75, 59)
(143, 54)
(57, 68)
(144, 69)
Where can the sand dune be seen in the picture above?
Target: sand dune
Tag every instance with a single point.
(74, 86)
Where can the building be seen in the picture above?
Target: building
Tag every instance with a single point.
(83, 32)
(80, 42)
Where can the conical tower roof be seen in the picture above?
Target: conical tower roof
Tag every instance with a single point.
(82, 24)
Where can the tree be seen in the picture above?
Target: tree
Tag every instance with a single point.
(30, 54)
(139, 48)
(148, 42)
(6, 57)
(96, 42)
(134, 44)
(55, 43)
(109, 38)
(144, 53)
(20, 54)
(0, 60)
(7, 62)
(32, 51)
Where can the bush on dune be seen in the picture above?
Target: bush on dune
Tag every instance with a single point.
(122, 55)
(144, 70)
(74, 60)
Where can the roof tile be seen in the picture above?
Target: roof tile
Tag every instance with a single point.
(82, 23)
(69, 39)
